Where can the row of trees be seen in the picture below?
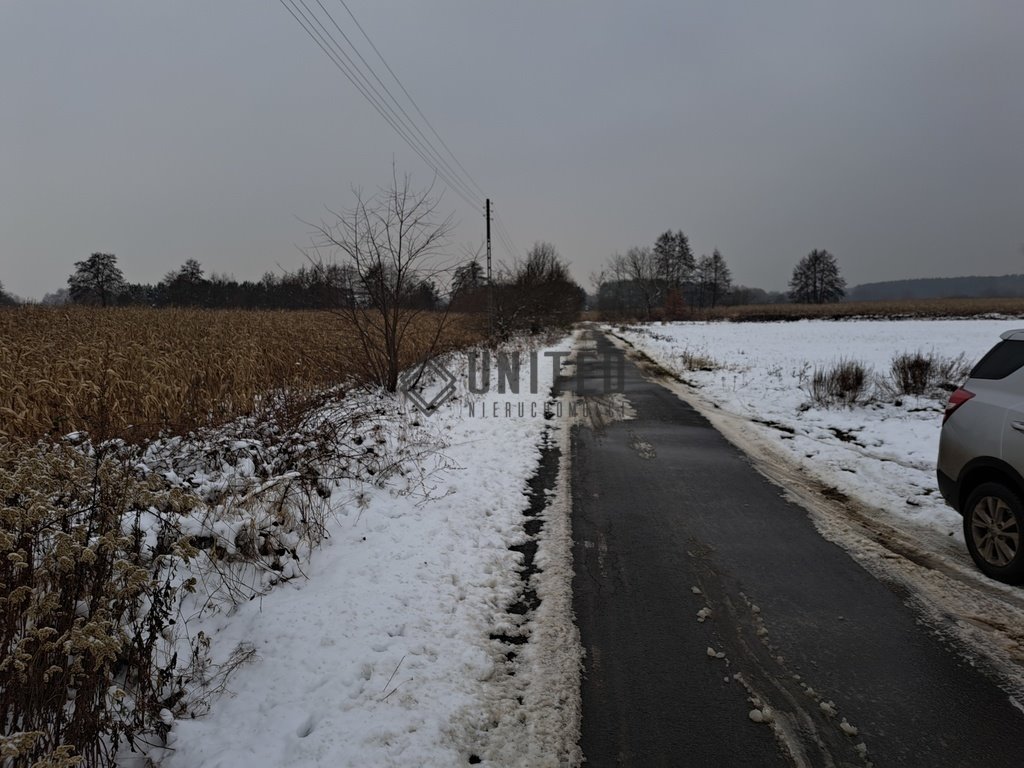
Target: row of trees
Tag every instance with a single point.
(535, 292)
(641, 281)
(667, 279)
(350, 264)
(665, 276)
(386, 253)
(379, 264)
(99, 281)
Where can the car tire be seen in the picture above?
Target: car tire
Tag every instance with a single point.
(994, 531)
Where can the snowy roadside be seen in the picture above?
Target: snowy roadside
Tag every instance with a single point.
(412, 636)
(881, 453)
(866, 474)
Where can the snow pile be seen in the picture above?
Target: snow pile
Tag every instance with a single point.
(255, 493)
(380, 651)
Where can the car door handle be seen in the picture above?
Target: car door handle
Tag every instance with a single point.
(1018, 425)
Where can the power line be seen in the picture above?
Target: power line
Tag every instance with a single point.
(435, 153)
(366, 88)
(411, 99)
(462, 184)
(507, 245)
(353, 74)
(506, 237)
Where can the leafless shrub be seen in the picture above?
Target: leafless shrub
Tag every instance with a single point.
(846, 382)
(691, 360)
(911, 373)
(536, 294)
(385, 256)
(918, 373)
(950, 372)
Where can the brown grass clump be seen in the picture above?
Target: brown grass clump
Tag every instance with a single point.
(75, 681)
(135, 372)
(846, 382)
(920, 373)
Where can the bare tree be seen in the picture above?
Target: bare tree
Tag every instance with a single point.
(96, 280)
(642, 268)
(608, 284)
(186, 286)
(542, 265)
(816, 279)
(537, 293)
(390, 246)
(469, 288)
(714, 278)
(675, 259)
(616, 294)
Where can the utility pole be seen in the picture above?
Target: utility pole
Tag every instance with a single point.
(490, 281)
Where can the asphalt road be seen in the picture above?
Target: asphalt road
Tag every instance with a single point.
(664, 504)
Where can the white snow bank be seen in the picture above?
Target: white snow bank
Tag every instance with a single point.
(383, 656)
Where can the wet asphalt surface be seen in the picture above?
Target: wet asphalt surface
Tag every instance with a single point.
(663, 503)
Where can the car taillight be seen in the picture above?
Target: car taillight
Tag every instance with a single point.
(956, 399)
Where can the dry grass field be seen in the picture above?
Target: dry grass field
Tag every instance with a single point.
(77, 572)
(135, 372)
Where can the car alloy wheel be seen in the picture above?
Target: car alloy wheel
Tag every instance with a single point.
(995, 532)
(992, 527)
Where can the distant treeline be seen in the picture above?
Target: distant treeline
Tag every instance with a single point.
(535, 293)
(1008, 286)
(97, 280)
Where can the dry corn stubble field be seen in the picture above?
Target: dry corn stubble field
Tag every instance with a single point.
(137, 372)
(89, 603)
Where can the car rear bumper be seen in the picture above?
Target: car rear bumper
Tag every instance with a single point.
(948, 489)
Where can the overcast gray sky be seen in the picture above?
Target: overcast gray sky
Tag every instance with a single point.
(890, 133)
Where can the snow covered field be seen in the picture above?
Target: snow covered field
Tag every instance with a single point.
(883, 452)
(381, 653)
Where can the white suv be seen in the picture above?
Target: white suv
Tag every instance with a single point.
(981, 459)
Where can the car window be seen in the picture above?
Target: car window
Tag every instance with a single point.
(1002, 360)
